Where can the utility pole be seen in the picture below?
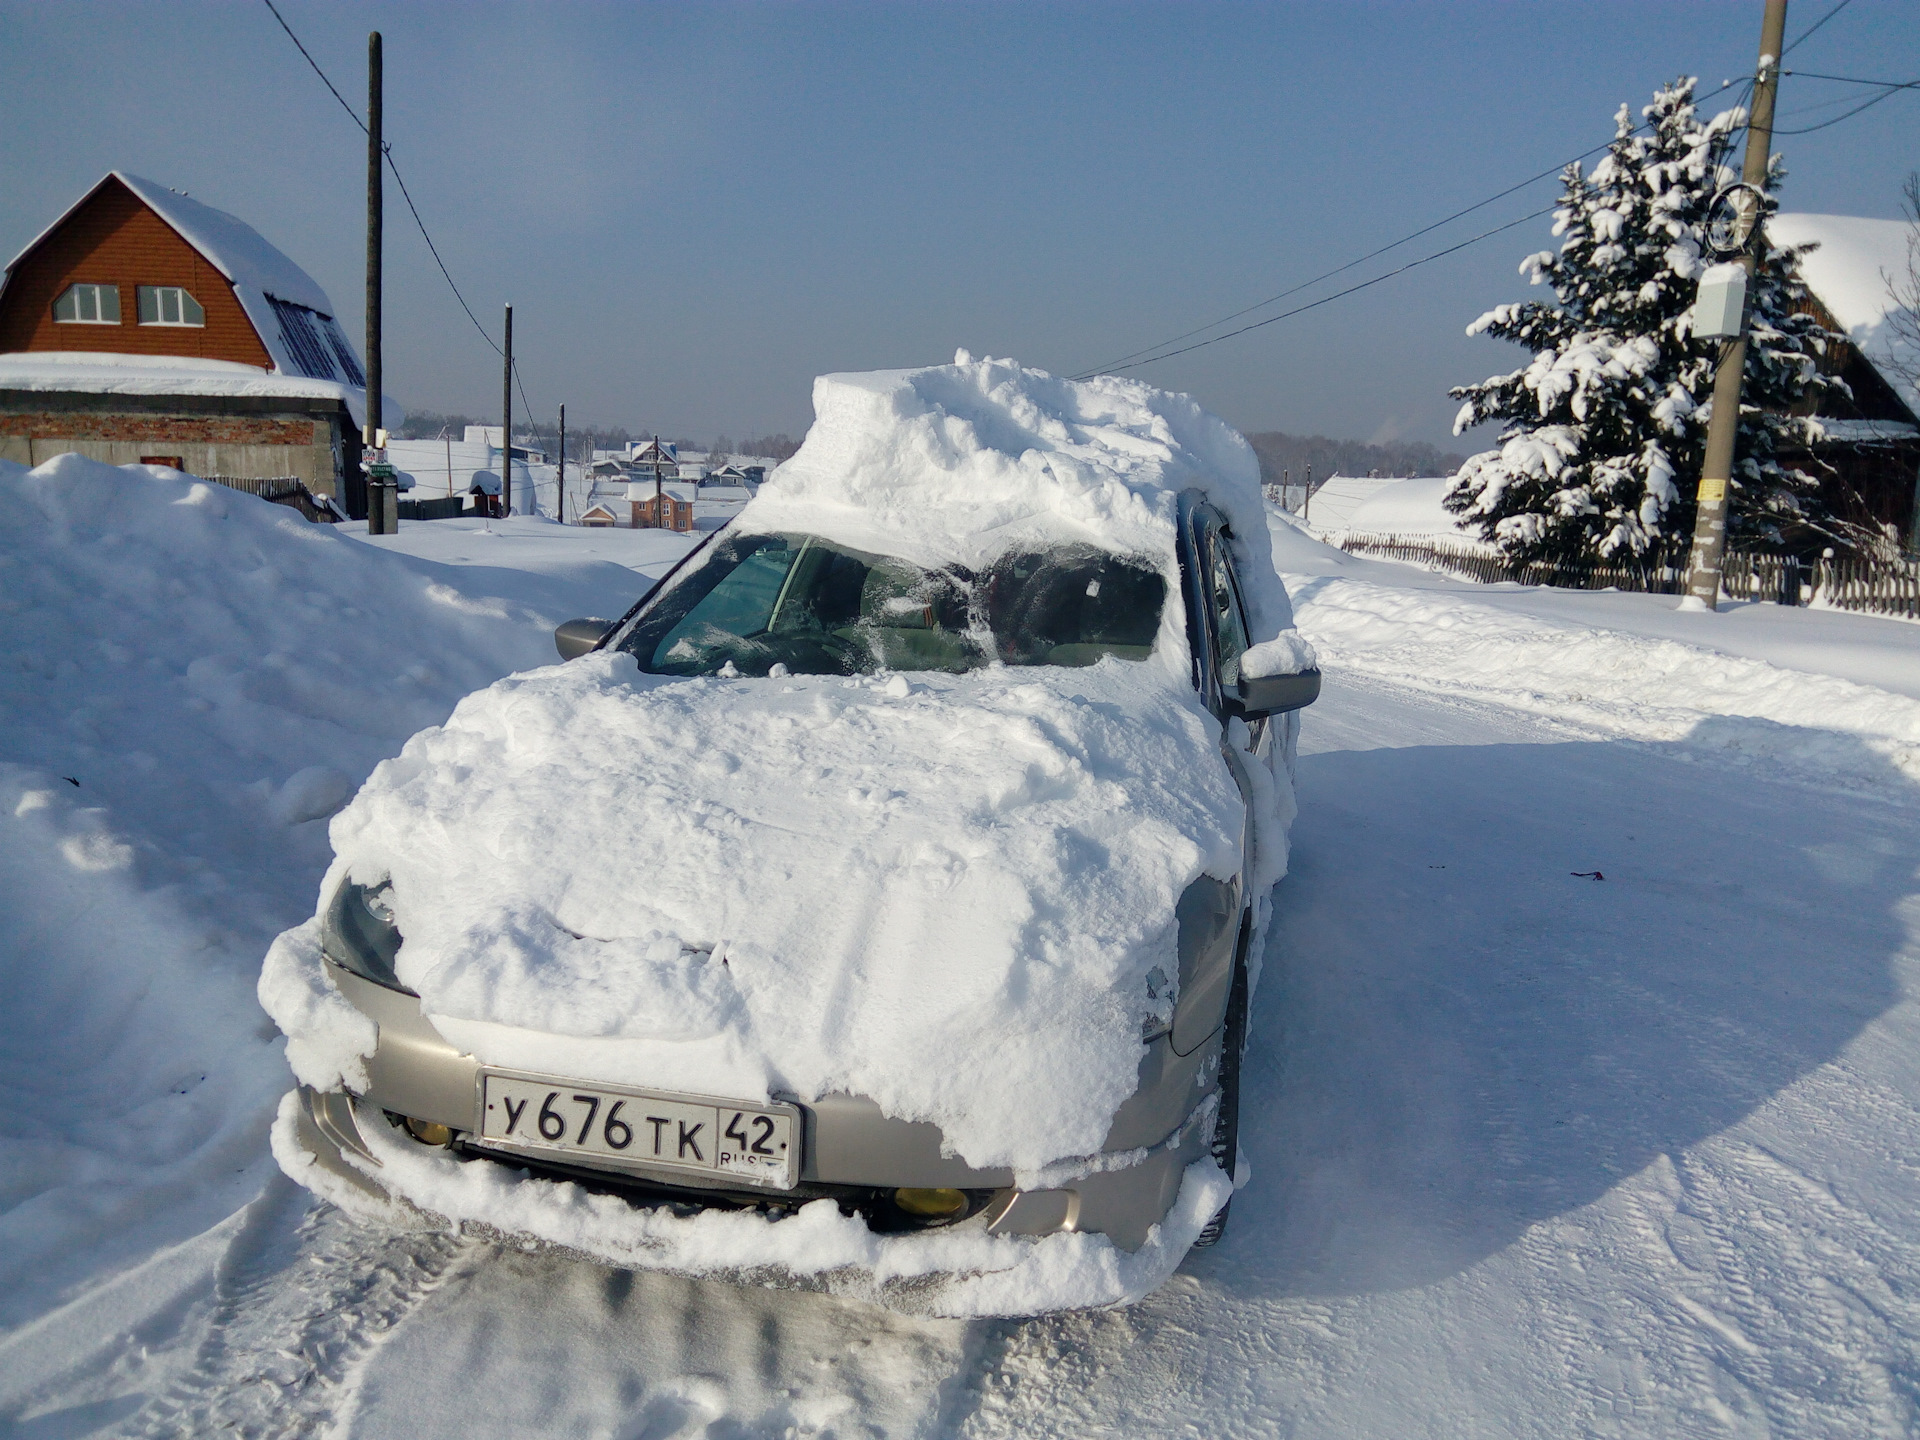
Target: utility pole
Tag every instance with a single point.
(659, 512)
(506, 421)
(381, 494)
(1723, 428)
(1306, 501)
(560, 499)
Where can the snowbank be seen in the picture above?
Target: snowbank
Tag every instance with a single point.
(191, 681)
(1412, 508)
(1575, 656)
(944, 893)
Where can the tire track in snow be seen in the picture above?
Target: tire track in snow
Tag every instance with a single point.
(302, 1297)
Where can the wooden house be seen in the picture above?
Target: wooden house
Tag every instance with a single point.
(599, 517)
(654, 457)
(143, 324)
(1869, 459)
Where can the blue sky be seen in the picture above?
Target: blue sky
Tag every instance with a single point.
(695, 209)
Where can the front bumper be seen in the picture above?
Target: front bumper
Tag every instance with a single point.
(852, 1151)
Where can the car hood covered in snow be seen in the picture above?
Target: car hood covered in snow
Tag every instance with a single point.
(944, 892)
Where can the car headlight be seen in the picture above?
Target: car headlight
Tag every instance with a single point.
(358, 933)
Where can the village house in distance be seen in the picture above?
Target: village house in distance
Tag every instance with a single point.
(145, 327)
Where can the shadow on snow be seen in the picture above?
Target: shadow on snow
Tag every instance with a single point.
(1456, 1037)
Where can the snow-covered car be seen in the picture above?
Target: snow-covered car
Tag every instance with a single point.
(875, 905)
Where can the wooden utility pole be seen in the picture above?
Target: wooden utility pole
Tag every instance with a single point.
(381, 491)
(506, 421)
(1723, 427)
(560, 499)
(376, 195)
(659, 505)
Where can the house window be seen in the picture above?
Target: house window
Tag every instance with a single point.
(169, 305)
(88, 305)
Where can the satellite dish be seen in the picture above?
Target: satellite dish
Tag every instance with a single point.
(1731, 220)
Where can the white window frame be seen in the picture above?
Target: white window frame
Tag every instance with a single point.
(93, 291)
(180, 299)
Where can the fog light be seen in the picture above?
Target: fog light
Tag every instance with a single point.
(931, 1204)
(429, 1132)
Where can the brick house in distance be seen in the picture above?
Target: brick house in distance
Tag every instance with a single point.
(144, 326)
(670, 509)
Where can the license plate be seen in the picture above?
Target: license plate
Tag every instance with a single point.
(756, 1143)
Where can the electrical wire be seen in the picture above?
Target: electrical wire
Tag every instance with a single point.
(1725, 145)
(1338, 294)
(1807, 33)
(1341, 270)
(1849, 114)
(386, 151)
(1853, 79)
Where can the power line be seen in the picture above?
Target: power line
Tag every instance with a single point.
(1725, 141)
(386, 150)
(1807, 33)
(1338, 294)
(1341, 270)
(1849, 114)
(1134, 356)
(1853, 79)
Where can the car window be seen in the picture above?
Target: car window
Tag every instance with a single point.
(740, 604)
(1229, 622)
(820, 608)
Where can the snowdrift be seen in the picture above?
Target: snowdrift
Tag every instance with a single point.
(192, 680)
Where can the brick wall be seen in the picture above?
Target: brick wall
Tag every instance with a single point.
(158, 429)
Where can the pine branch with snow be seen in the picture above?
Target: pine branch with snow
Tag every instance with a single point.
(1605, 428)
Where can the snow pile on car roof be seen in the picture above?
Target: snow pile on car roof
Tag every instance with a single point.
(955, 464)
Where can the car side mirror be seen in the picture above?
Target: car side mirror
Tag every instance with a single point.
(1257, 696)
(577, 637)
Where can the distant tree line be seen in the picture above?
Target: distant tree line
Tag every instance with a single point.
(773, 447)
(1287, 455)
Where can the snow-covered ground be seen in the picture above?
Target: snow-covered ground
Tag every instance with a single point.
(1532, 1153)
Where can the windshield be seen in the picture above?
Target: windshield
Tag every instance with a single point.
(816, 608)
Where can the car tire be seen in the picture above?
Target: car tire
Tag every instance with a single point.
(1226, 1125)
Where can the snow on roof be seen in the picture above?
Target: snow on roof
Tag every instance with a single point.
(1850, 272)
(956, 464)
(104, 373)
(234, 247)
(685, 491)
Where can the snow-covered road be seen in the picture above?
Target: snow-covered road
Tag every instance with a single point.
(1532, 1153)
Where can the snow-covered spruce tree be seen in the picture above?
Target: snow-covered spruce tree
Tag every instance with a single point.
(1606, 427)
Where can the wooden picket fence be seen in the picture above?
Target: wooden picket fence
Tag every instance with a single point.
(288, 490)
(1881, 587)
